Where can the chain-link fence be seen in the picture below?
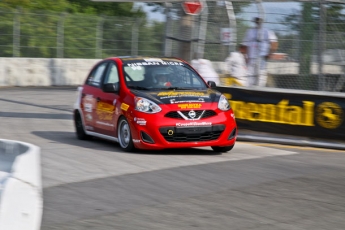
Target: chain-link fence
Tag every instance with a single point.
(311, 53)
(26, 33)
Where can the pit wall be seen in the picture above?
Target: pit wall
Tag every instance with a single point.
(64, 72)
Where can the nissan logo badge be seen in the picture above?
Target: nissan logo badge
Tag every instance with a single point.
(192, 114)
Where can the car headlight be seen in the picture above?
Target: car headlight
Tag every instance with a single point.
(223, 103)
(146, 106)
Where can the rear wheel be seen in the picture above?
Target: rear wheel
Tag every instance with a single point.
(124, 135)
(79, 128)
(222, 149)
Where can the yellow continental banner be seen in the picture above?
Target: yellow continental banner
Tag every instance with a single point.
(281, 113)
(288, 112)
(189, 106)
(329, 115)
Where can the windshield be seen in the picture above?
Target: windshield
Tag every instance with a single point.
(152, 75)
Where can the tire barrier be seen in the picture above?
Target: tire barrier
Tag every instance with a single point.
(21, 201)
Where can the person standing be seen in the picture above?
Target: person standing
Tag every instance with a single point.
(236, 66)
(260, 44)
(205, 68)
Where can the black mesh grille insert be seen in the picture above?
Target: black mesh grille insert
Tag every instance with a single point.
(176, 115)
(209, 113)
(195, 137)
(192, 134)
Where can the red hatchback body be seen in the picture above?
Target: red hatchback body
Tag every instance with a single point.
(153, 103)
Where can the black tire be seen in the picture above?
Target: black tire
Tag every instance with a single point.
(222, 149)
(124, 135)
(79, 128)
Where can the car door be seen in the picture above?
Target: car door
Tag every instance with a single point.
(91, 90)
(108, 106)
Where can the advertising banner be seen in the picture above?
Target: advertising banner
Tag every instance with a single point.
(292, 113)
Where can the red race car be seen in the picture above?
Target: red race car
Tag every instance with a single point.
(153, 103)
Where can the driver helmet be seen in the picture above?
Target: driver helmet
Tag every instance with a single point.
(161, 75)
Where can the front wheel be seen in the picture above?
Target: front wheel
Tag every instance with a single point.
(124, 135)
(222, 149)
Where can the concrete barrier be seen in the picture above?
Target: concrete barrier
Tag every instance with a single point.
(287, 67)
(21, 201)
(44, 71)
(65, 71)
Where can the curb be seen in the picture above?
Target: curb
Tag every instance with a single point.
(290, 140)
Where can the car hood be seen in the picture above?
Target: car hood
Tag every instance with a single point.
(179, 96)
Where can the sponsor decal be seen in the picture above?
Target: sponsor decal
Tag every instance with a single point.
(280, 113)
(88, 117)
(124, 106)
(114, 102)
(137, 65)
(329, 115)
(140, 121)
(181, 94)
(104, 123)
(174, 101)
(88, 103)
(105, 107)
(189, 106)
(88, 107)
(136, 140)
(191, 124)
(105, 111)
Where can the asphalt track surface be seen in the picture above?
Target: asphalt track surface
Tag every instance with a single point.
(95, 185)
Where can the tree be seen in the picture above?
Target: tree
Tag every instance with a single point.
(306, 23)
(105, 8)
(44, 30)
(56, 5)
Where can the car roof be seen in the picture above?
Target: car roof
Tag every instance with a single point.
(145, 58)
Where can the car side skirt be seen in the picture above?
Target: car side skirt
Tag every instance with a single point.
(102, 136)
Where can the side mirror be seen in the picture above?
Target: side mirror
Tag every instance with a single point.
(111, 88)
(212, 84)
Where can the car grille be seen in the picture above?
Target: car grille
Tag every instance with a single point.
(202, 113)
(191, 138)
(186, 135)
